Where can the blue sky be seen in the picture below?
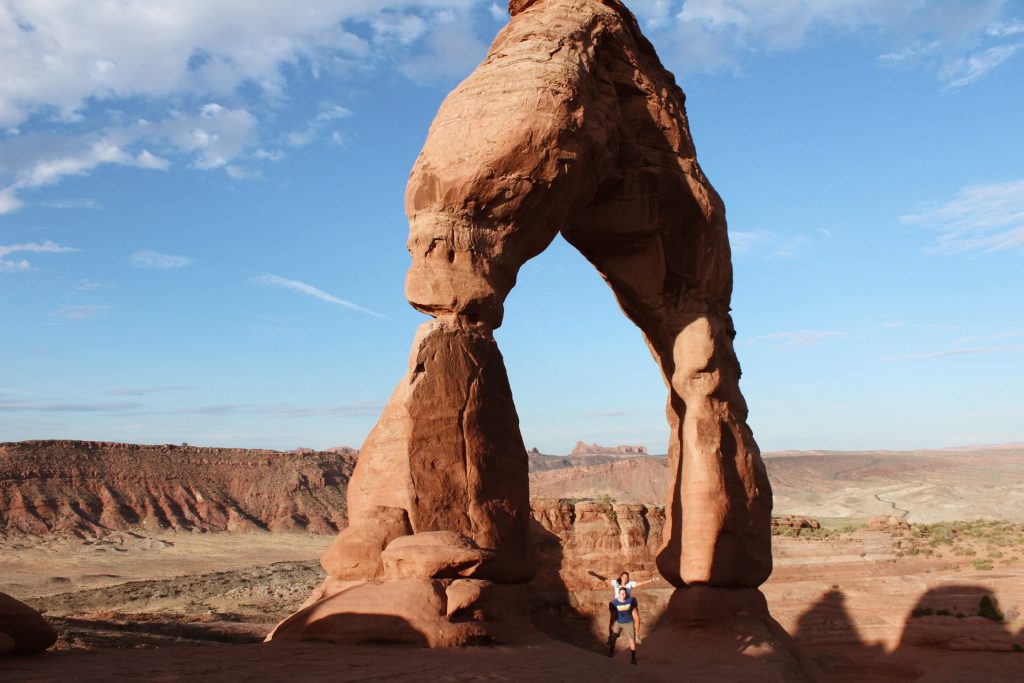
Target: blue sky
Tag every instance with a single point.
(202, 236)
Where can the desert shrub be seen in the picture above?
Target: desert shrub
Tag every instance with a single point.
(982, 564)
(995, 554)
(921, 612)
(988, 607)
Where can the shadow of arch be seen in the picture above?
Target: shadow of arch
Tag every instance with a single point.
(959, 617)
(554, 610)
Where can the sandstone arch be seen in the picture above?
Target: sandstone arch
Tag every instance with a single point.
(570, 125)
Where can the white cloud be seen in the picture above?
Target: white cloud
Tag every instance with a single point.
(798, 339)
(46, 247)
(14, 266)
(87, 63)
(81, 312)
(710, 35)
(967, 70)
(765, 243)
(328, 114)
(1004, 29)
(452, 51)
(985, 218)
(310, 290)
(154, 260)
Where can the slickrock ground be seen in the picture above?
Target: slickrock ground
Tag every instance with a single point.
(88, 487)
(847, 597)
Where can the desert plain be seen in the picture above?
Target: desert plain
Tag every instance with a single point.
(889, 566)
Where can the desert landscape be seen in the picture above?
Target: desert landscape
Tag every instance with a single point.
(270, 142)
(867, 594)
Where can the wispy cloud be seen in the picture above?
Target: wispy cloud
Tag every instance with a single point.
(985, 218)
(154, 260)
(81, 312)
(953, 38)
(284, 410)
(938, 327)
(785, 341)
(146, 391)
(13, 266)
(28, 407)
(328, 114)
(967, 70)
(765, 244)
(80, 203)
(310, 290)
(963, 351)
(964, 341)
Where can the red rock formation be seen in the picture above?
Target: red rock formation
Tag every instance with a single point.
(636, 480)
(570, 125)
(87, 487)
(22, 629)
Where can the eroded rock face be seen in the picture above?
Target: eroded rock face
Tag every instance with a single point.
(89, 488)
(570, 125)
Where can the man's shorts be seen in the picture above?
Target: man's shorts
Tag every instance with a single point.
(627, 629)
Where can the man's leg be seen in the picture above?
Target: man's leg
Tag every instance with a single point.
(613, 635)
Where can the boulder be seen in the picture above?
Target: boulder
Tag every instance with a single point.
(355, 552)
(432, 555)
(22, 629)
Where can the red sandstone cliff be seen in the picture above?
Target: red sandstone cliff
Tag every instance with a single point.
(85, 487)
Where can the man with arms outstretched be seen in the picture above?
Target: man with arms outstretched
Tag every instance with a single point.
(625, 618)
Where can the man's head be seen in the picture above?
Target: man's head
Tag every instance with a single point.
(624, 578)
(622, 594)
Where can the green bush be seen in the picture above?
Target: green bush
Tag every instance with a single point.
(989, 608)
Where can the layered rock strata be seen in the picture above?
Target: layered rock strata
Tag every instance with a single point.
(570, 125)
(90, 488)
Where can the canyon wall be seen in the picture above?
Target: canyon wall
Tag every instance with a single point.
(88, 487)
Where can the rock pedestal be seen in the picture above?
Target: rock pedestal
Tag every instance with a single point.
(570, 125)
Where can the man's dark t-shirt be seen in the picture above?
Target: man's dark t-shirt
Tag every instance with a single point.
(624, 610)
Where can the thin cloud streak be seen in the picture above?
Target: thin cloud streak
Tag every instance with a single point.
(948, 353)
(309, 290)
(146, 391)
(154, 260)
(23, 407)
(765, 243)
(798, 339)
(81, 312)
(980, 218)
(47, 247)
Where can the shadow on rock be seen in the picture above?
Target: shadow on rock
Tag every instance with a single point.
(724, 634)
(555, 611)
(954, 632)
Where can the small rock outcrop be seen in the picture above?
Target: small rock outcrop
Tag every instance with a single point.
(570, 125)
(22, 629)
(582, 448)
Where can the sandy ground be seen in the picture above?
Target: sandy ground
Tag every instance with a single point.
(862, 605)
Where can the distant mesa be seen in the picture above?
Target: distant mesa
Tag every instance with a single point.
(583, 448)
(90, 488)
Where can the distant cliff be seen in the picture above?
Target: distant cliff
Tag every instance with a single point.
(582, 448)
(86, 487)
